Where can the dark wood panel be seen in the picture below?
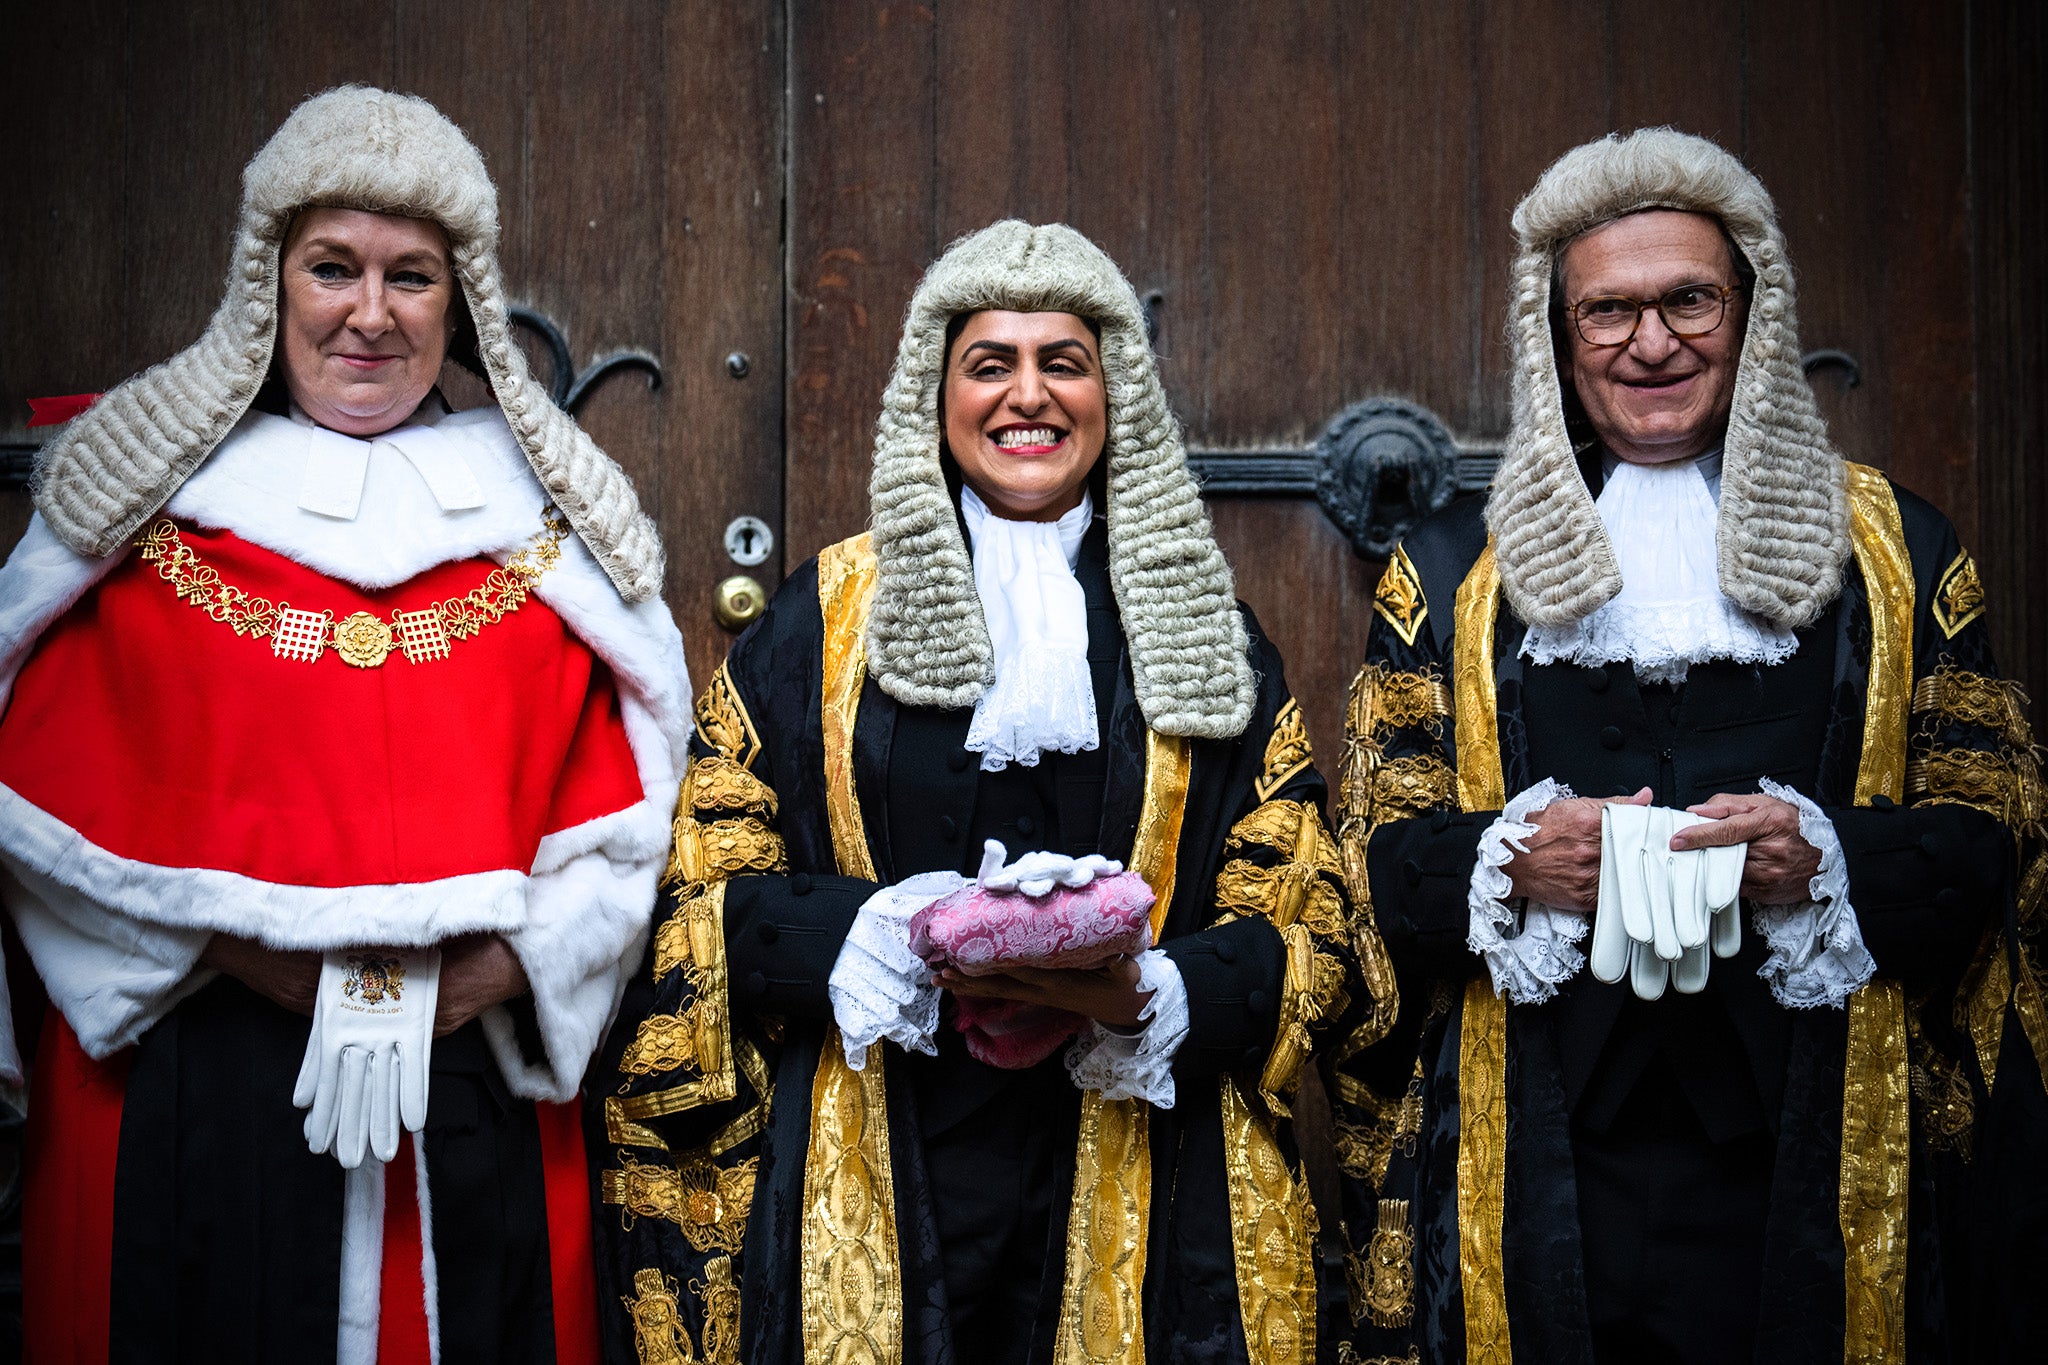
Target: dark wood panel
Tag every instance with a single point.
(596, 196)
(308, 50)
(1274, 286)
(1927, 382)
(723, 286)
(1542, 80)
(194, 73)
(61, 295)
(860, 236)
(1009, 116)
(1679, 65)
(1407, 208)
(2009, 146)
(1139, 167)
(1814, 140)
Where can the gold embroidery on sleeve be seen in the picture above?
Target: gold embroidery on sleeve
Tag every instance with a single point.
(1970, 777)
(1997, 704)
(658, 1333)
(723, 722)
(708, 1202)
(1390, 1267)
(719, 784)
(721, 1299)
(1958, 596)
(1287, 751)
(1399, 600)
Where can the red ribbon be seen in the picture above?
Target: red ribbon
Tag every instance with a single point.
(48, 412)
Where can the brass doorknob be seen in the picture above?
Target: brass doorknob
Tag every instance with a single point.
(738, 601)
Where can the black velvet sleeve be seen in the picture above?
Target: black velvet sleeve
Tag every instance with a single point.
(783, 933)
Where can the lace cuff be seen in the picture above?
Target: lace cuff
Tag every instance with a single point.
(878, 987)
(1817, 955)
(1528, 962)
(1137, 1065)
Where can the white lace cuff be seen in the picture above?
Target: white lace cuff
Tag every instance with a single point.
(1125, 1066)
(878, 987)
(1527, 959)
(1817, 955)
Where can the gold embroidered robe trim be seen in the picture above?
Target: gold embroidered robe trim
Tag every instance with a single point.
(1272, 1237)
(852, 1278)
(624, 1117)
(1875, 1084)
(1483, 1026)
(1392, 1124)
(1101, 1310)
(717, 783)
(1101, 1317)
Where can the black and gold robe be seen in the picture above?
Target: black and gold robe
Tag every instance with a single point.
(1892, 719)
(763, 1201)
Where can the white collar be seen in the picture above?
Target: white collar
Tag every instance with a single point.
(336, 466)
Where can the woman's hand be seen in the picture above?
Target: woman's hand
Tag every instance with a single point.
(1779, 866)
(290, 979)
(1108, 994)
(1562, 867)
(477, 972)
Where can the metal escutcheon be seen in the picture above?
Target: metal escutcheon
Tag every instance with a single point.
(738, 601)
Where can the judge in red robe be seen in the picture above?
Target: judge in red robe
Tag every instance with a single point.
(316, 697)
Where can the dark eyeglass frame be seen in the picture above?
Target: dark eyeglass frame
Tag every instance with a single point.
(1578, 316)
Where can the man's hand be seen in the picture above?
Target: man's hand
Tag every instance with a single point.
(477, 972)
(1107, 994)
(1562, 867)
(1780, 867)
(289, 979)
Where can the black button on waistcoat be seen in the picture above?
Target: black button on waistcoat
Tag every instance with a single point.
(757, 985)
(1226, 952)
(1610, 738)
(959, 760)
(800, 884)
(1882, 802)
(1930, 845)
(1257, 1002)
(1596, 679)
(767, 932)
(1412, 872)
(1026, 825)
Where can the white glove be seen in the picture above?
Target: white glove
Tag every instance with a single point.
(1035, 874)
(366, 1063)
(1661, 910)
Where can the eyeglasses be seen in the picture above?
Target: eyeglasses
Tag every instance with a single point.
(1691, 310)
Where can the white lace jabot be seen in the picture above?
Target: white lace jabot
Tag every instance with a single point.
(1042, 698)
(1670, 612)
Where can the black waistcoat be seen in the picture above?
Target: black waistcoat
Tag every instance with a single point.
(1602, 733)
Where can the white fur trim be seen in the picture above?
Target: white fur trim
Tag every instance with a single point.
(586, 922)
(112, 976)
(1137, 1066)
(1817, 953)
(430, 1271)
(42, 579)
(362, 1264)
(1526, 963)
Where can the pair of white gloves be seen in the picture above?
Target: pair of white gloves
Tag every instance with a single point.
(1036, 874)
(365, 1072)
(1662, 910)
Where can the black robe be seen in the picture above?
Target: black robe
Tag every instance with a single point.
(1711, 1124)
(982, 1161)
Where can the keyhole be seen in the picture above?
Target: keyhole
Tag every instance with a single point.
(746, 540)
